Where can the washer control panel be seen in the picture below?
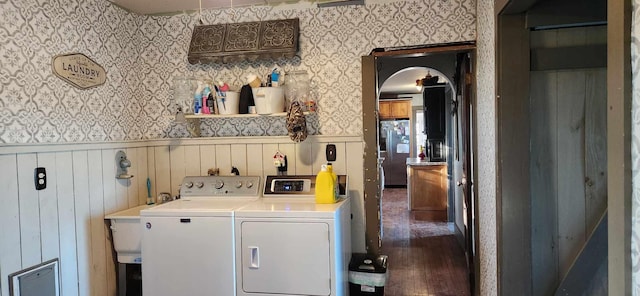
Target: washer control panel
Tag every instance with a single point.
(220, 186)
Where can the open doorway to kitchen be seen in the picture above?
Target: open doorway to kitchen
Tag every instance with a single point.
(430, 245)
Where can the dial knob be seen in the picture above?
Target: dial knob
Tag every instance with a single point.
(249, 184)
(188, 184)
(219, 184)
(199, 184)
(238, 184)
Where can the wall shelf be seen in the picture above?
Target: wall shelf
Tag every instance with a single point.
(204, 116)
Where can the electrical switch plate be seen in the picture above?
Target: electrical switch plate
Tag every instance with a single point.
(331, 152)
(40, 178)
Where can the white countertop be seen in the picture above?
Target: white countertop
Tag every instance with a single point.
(418, 162)
(132, 213)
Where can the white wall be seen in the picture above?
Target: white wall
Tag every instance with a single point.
(66, 220)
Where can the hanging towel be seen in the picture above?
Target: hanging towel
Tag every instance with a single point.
(246, 99)
(296, 123)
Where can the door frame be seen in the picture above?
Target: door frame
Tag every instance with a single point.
(619, 136)
(619, 96)
(370, 85)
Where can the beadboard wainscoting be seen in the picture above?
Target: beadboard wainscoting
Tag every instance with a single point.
(66, 220)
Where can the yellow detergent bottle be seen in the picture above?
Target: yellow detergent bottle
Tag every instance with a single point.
(335, 180)
(325, 192)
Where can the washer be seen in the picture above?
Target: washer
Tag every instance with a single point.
(286, 244)
(188, 244)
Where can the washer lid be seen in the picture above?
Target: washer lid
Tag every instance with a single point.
(290, 208)
(196, 207)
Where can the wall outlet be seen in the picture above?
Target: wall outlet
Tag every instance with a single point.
(40, 178)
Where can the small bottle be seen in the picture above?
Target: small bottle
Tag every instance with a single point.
(211, 104)
(421, 155)
(324, 191)
(205, 96)
(197, 99)
(196, 104)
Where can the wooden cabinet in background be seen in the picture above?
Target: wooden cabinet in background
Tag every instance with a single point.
(427, 189)
(394, 109)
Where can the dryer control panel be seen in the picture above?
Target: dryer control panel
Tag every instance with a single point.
(297, 186)
(220, 186)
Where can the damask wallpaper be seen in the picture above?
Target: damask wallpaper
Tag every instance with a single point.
(486, 121)
(143, 54)
(635, 148)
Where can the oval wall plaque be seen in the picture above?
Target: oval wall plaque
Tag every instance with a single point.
(78, 70)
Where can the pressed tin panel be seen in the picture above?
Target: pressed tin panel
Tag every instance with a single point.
(142, 54)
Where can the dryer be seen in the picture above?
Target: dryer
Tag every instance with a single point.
(188, 245)
(286, 244)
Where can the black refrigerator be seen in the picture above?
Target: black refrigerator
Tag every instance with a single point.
(394, 148)
(435, 121)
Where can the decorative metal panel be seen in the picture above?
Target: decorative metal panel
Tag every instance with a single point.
(242, 36)
(279, 34)
(248, 41)
(207, 39)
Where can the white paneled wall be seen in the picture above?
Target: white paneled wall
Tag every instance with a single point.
(66, 220)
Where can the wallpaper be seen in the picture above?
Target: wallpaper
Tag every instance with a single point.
(142, 55)
(486, 123)
(36, 106)
(635, 148)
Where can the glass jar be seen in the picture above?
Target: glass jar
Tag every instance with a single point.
(296, 85)
(183, 88)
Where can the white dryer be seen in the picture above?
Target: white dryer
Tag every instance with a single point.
(188, 244)
(286, 244)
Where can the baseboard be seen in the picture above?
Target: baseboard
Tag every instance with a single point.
(459, 236)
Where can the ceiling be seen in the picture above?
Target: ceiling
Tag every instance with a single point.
(162, 7)
(404, 81)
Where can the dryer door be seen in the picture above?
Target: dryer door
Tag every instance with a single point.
(292, 258)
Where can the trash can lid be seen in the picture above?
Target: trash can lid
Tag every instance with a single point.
(368, 263)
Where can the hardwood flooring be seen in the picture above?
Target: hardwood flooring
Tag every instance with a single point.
(424, 258)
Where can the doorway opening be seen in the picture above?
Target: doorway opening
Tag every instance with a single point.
(438, 122)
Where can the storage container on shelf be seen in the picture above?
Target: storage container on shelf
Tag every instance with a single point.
(229, 103)
(182, 94)
(297, 87)
(268, 100)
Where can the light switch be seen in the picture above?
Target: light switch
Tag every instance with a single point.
(40, 175)
(331, 152)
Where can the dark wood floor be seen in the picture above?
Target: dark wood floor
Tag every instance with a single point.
(424, 257)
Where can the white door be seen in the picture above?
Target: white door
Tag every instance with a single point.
(188, 256)
(286, 258)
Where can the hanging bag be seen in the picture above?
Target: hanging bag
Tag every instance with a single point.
(296, 123)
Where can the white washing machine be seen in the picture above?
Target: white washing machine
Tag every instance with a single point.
(286, 244)
(188, 244)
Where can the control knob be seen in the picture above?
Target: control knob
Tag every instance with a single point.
(218, 184)
(199, 184)
(188, 184)
(238, 184)
(249, 184)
